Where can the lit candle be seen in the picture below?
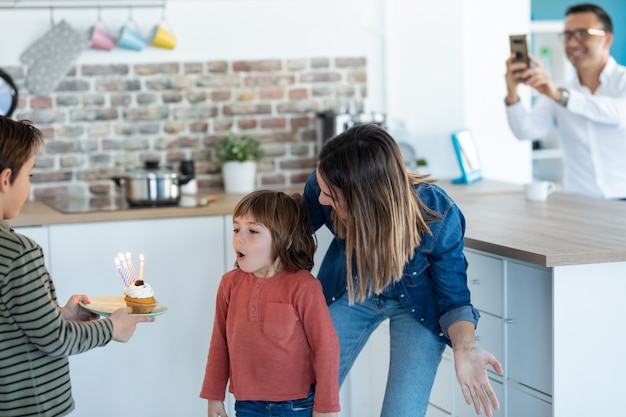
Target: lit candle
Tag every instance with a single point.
(141, 267)
(119, 269)
(127, 276)
(131, 267)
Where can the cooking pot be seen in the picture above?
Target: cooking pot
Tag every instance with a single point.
(152, 186)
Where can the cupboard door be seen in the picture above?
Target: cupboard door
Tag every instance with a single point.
(529, 326)
(159, 371)
(364, 387)
(522, 403)
(229, 257)
(485, 279)
(490, 336)
(441, 395)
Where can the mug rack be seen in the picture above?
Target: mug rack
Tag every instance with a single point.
(81, 4)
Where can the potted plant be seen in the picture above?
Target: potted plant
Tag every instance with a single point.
(239, 156)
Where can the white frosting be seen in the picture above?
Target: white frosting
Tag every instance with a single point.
(141, 291)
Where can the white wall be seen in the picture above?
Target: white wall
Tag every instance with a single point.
(486, 48)
(446, 65)
(433, 66)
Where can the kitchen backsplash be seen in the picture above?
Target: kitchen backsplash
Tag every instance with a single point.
(105, 119)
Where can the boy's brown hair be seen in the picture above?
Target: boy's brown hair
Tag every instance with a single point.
(287, 220)
(18, 141)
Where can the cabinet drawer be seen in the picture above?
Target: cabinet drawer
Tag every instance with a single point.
(490, 336)
(485, 279)
(523, 403)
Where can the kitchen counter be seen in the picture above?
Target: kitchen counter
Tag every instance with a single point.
(36, 213)
(564, 230)
(554, 270)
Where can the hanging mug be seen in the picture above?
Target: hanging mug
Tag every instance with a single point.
(130, 38)
(162, 36)
(100, 39)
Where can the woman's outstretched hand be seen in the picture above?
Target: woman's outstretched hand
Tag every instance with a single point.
(470, 364)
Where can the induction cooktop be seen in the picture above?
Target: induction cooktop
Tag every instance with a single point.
(87, 204)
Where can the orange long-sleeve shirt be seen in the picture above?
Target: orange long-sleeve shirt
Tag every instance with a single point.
(273, 337)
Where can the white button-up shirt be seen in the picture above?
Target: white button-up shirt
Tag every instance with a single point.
(591, 131)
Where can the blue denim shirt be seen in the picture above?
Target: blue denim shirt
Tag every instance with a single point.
(434, 286)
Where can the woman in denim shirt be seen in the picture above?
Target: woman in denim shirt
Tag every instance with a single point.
(404, 238)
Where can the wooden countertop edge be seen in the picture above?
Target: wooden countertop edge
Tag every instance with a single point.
(500, 223)
(37, 213)
(549, 260)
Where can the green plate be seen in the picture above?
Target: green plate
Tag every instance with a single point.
(104, 305)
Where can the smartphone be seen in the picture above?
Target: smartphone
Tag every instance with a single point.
(519, 47)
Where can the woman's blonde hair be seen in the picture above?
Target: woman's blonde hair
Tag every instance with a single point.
(287, 220)
(385, 219)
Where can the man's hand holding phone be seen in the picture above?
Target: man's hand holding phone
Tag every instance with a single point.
(521, 68)
(534, 76)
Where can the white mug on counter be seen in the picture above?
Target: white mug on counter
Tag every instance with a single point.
(539, 190)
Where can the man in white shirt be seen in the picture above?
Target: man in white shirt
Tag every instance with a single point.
(588, 112)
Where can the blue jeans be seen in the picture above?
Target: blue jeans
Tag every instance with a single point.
(415, 352)
(291, 408)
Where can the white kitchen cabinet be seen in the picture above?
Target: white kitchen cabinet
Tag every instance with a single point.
(523, 402)
(529, 326)
(40, 235)
(159, 371)
(490, 336)
(364, 388)
(487, 286)
(445, 380)
(229, 257)
(484, 279)
(514, 299)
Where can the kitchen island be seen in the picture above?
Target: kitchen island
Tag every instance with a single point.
(548, 278)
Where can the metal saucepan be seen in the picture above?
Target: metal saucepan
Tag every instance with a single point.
(152, 186)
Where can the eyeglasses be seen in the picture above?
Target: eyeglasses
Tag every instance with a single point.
(580, 35)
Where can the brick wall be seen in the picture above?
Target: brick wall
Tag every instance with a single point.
(104, 119)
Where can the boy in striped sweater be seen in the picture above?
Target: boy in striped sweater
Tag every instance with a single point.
(37, 334)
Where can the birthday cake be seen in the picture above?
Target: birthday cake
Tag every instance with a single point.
(139, 296)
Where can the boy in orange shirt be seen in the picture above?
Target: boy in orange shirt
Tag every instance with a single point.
(272, 335)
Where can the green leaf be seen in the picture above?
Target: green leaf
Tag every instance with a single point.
(238, 148)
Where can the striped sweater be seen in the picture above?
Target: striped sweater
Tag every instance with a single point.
(35, 341)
